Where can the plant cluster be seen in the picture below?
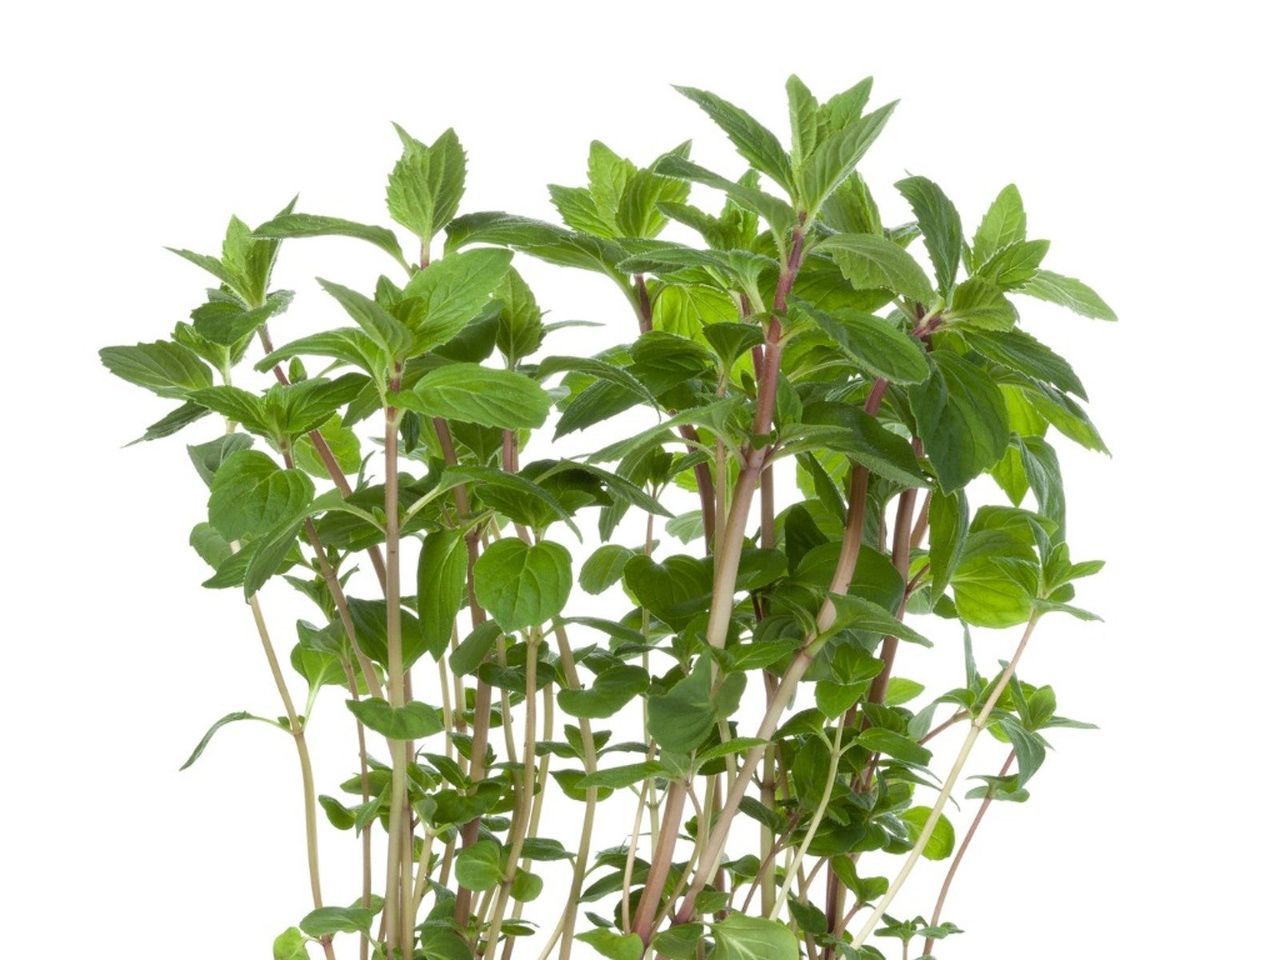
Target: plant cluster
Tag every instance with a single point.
(791, 331)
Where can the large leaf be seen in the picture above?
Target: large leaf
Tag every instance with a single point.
(740, 937)
(1068, 292)
(757, 145)
(872, 262)
(523, 585)
(476, 394)
(681, 718)
(442, 582)
(940, 224)
(962, 419)
(450, 292)
(384, 329)
(165, 368)
(832, 162)
(250, 494)
(873, 343)
(291, 225)
(1004, 223)
(426, 184)
(996, 579)
(413, 721)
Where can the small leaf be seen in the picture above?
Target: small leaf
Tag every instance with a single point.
(942, 838)
(614, 946)
(250, 495)
(604, 567)
(879, 740)
(330, 920)
(479, 866)
(204, 741)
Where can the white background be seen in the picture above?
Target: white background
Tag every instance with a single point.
(1142, 137)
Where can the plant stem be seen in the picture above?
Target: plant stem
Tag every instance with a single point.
(815, 821)
(398, 906)
(304, 761)
(520, 825)
(570, 916)
(944, 794)
(964, 846)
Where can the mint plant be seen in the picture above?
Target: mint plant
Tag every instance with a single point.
(800, 417)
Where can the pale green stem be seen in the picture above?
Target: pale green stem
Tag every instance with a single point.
(815, 822)
(944, 795)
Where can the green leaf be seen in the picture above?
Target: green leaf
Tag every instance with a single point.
(833, 160)
(525, 886)
(227, 322)
(380, 326)
(172, 422)
(537, 238)
(426, 185)
(942, 839)
(996, 579)
(442, 583)
(867, 442)
(476, 394)
(612, 689)
(1022, 352)
(857, 613)
(873, 343)
(1068, 292)
(165, 368)
(978, 304)
(777, 213)
(681, 718)
(294, 225)
(290, 945)
(346, 344)
(614, 946)
(250, 494)
(1004, 223)
(604, 568)
(940, 223)
(758, 146)
(413, 721)
(330, 920)
(479, 866)
(204, 741)
(1014, 265)
(961, 418)
(870, 262)
(803, 108)
(616, 778)
(471, 652)
(740, 937)
(948, 528)
(269, 553)
(896, 745)
(523, 585)
(449, 292)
